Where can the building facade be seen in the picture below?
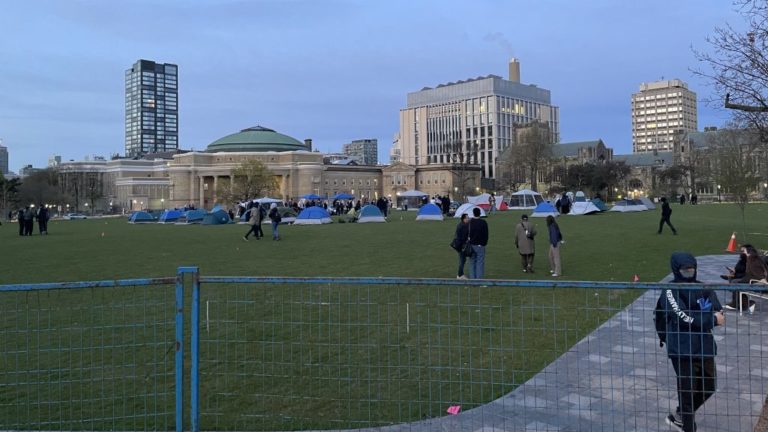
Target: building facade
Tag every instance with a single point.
(472, 121)
(660, 110)
(364, 151)
(151, 108)
(3, 159)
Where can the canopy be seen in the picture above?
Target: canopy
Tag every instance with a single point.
(648, 203)
(429, 212)
(343, 196)
(370, 213)
(218, 217)
(582, 208)
(267, 200)
(313, 216)
(628, 205)
(170, 216)
(544, 209)
(413, 193)
(312, 197)
(140, 217)
(468, 208)
(192, 216)
(599, 204)
(525, 199)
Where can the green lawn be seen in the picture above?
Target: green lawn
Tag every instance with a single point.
(300, 357)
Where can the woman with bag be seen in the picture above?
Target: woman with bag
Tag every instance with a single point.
(555, 240)
(459, 242)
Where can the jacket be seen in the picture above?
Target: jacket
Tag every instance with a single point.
(462, 232)
(685, 317)
(755, 269)
(525, 245)
(555, 236)
(478, 232)
(666, 210)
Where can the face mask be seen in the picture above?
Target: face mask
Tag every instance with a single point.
(688, 273)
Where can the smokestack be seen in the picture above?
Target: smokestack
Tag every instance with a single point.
(308, 144)
(514, 70)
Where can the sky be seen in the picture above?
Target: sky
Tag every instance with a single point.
(332, 70)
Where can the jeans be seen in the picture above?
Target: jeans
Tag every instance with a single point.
(275, 234)
(666, 220)
(554, 259)
(477, 262)
(462, 260)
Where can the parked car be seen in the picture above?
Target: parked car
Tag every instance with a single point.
(72, 216)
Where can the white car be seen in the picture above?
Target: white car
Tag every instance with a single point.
(72, 216)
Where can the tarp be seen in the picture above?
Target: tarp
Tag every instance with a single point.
(170, 216)
(343, 196)
(429, 212)
(192, 217)
(218, 217)
(628, 205)
(468, 209)
(312, 197)
(648, 203)
(544, 209)
(599, 204)
(267, 200)
(313, 216)
(413, 193)
(370, 213)
(525, 199)
(580, 208)
(141, 217)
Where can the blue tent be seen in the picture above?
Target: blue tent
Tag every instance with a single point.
(141, 217)
(312, 197)
(218, 217)
(370, 213)
(170, 216)
(343, 196)
(599, 204)
(217, 207)
(192, 217)
(544, 209)
(429, 212)
(313, 216)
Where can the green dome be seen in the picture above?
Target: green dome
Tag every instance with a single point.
(256, 139)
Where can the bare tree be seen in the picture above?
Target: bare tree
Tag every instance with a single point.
(461, 157)
(533, 149)
(736, 155)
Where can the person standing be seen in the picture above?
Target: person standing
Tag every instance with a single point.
(478, 238)
(460, 239)
(555, 240)
(20, 220)
(42, 219)
(29, 221)
(253, 221)
(274, 216)
(684, 321)
(525, 232)
(666, 213)
(682, 198)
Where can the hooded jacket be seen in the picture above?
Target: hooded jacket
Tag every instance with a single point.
(685, 317)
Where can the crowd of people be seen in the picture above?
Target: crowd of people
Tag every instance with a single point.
(26, 219)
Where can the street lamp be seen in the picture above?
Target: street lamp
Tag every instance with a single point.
(162, 203)
(718, 193)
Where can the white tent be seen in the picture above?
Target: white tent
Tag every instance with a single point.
(413, 193)
(468, 208)
(267, 200)
(582, 208)
(580, 197)
(648, 203)
(628, 205)
(525, 199)
(483, 198)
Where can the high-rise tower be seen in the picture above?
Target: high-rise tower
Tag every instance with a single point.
(660, 110)
(151, 108)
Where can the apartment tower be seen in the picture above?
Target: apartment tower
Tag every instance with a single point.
(660, 110)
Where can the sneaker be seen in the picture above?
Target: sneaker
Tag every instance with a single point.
(675, 422)
(461, 277)
(555, 275)
(525, 270)
(551, 272)
(729, 307)
(245, 238)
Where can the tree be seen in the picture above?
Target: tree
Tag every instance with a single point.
(461, 161)
(508, 172)
(41, 187)
(737, 161)
(94, 190)
(578, 176)
(9, 194)
(533, 149)
(672, 177)
(251, 179)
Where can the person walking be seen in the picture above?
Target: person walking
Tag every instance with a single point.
(460, 239)
(42, 219)
(478, 238)
(20, 220)
(555, 240)
(666, 213)
(253, 221)
(684, 321)
(525, 232)
(274, 216)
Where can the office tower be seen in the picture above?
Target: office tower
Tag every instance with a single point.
(472, 121)
(3, 158)
(660, 110)
(151, 108)
(363, 151)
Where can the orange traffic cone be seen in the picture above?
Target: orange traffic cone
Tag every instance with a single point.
(636, 278)
(732, 244)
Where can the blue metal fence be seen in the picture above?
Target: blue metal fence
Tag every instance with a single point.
(284, 353)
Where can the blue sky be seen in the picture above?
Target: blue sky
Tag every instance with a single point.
(330, 70)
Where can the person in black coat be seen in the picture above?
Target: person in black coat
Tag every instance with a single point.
(20, 220)
(666, 213)
(459, 241)
(478, 238)
(684, 321)
(42, 219)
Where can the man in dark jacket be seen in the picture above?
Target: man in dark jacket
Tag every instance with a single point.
(20, 220)
(42, 219)
(478, 238)
(684, 320)
(666, 213)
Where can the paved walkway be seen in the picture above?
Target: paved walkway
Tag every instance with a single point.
(618, 379)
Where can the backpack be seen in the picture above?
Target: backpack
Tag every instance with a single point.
(275, 215)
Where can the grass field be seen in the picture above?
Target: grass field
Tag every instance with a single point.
(299, 357)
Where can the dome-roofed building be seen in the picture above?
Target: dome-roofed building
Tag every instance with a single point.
(256, 139)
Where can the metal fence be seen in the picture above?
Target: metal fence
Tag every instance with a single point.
(346, 353)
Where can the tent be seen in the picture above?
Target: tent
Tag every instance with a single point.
(413, 193)
(429, 212)
(502, 205)
(217, 207)
(191, 217)
(287, 216)
(312, 197)
(525, 199)
(483, 198)
(583, 208)
(628, 205)
(267, 200)
(313, 216)
(468, 209)
(370, 213)
(343, 196)
(648, 203)
(580, 197)
(218, 217)
(141, 217)
(544, 209)
(170, 216)
(599, 204)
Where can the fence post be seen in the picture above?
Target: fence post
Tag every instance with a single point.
(180, 344)
(195, 369)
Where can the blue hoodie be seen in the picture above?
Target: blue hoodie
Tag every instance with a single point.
(685, 317)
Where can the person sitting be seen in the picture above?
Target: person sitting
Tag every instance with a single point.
(755, 269)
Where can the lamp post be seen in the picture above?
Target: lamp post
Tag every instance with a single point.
(718, 193)
(765, 190)
(162, 203)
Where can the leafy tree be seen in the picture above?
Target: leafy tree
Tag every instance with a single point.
(672, 177)
(9, 194)
(41, 187)
(251, 179)
(578, 176)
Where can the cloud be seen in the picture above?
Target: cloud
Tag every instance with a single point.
(502, 41)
